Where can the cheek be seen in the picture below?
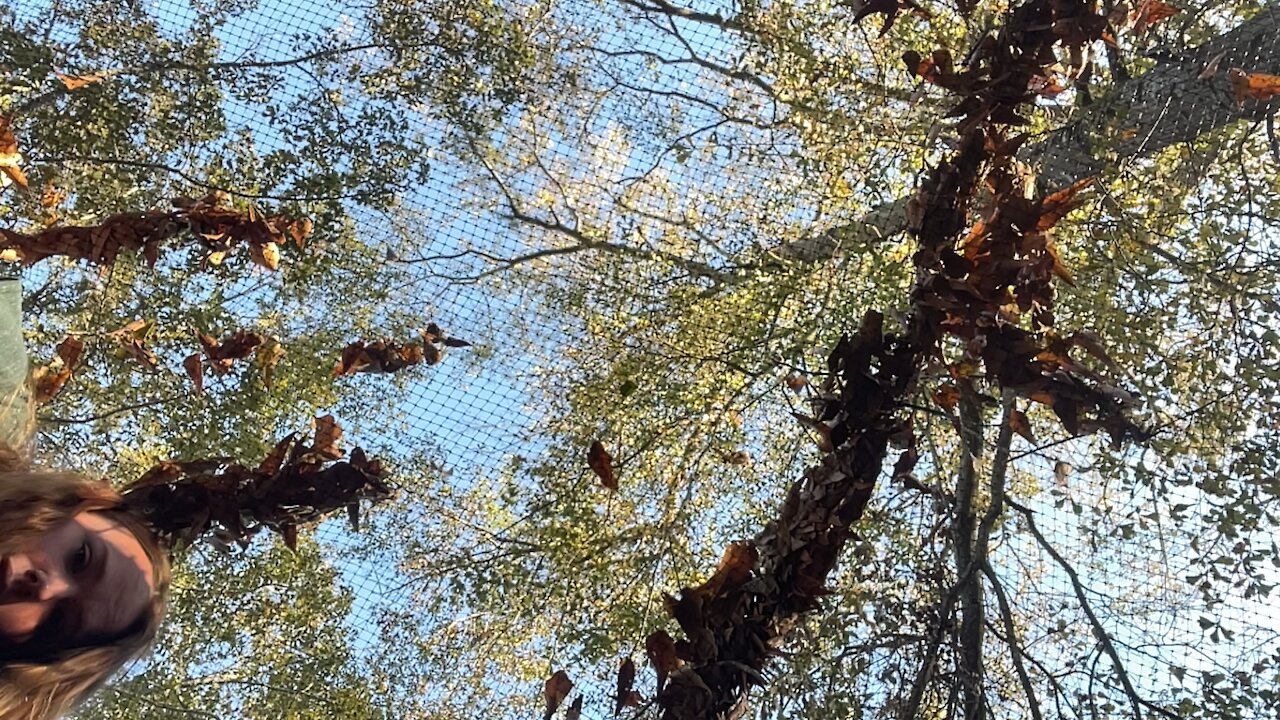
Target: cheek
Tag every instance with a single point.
(19, 620)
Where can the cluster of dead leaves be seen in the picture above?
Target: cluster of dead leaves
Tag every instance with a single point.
(388, 356)
(221, 355)
(299, 482)
(48, 380)
(992, 289)
(988, 287)
(219, 228)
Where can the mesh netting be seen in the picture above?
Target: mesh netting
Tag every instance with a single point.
(651, 222)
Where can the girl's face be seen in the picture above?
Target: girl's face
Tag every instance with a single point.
(86, 580)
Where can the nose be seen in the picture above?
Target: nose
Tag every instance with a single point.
(26, 580)
(29, 584)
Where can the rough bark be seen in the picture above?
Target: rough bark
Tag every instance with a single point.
(735, 622)
(1138, 118)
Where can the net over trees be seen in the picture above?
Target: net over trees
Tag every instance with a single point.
(742, 359)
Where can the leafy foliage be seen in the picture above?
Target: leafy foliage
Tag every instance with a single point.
(652, 220)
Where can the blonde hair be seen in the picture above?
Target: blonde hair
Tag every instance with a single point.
(32, 502)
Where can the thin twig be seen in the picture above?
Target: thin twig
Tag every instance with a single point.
(110, 413)
(1103, 638)
(1011, 639)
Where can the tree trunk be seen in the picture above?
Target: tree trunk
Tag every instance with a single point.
(1138, 118)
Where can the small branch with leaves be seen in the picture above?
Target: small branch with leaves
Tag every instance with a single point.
(217, 227)
(298, 483)
(388, 356)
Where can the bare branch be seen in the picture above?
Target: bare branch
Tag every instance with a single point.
(110, 413)
(1103, 637)
(1011, 639)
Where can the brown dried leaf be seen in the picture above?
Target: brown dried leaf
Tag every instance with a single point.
(661, 649)
(300, 230)
(626, 679)
(271, 464)
(1211, 67)
(1149, 13)
(1093, 345)
(735, 568)
(1018, 423)
(352, 360)
(290, 534)
(161, 473)
(431, 354)
(265, 254)
(1059, 267)
(75, 82)
(554, 691)
(575, 710)
(136, 350)
(947, 396)
(822, 429)
(1259, 86)
(601, 462)
(195, 370)
(266, 357)
(327, 435)
(70, 351)
(15, 173)
(48, 382)
(1056, 206)
(9, 155)
(137, 329)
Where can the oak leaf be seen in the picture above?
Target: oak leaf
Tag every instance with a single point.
(1018, 423)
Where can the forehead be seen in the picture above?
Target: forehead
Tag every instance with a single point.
(123, 590)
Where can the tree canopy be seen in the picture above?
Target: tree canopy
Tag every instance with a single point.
(649, 225)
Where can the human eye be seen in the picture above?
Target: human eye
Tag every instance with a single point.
(80, 559)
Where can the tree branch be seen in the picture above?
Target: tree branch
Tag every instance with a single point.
(1011, 639)
(110, 413)
(1103, 637)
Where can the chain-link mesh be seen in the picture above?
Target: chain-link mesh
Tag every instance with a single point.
(651, 222)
